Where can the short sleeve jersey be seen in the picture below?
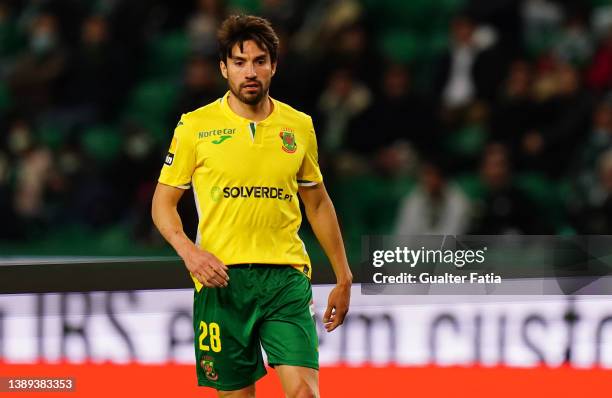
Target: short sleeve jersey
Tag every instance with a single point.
(245, 179)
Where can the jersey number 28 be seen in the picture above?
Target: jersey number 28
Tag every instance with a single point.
(212, 330)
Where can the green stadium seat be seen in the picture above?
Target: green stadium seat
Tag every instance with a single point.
(245, 6)
(466, 143)
(168, 55)
(5, 96)
(402, 46)
(471, 185)
(102, 143)
(547, 195)
(51, 135)
(11, 41)
(150, 105)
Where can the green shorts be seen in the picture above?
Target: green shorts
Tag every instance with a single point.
(267, 306)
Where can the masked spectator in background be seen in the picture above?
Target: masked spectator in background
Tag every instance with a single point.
(34, 76)
(36, 181)
(435, 206)
(504, 209)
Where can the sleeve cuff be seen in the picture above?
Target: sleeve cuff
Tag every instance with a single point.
(306, 183)
(183, 186)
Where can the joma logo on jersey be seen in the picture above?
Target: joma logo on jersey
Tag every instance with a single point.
(288, 138)
(222, 133)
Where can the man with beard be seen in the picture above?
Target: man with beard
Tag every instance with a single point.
(247, 157)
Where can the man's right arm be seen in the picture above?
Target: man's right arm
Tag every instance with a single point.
(204, 266)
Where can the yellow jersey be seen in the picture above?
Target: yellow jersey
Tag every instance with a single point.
(245, 179)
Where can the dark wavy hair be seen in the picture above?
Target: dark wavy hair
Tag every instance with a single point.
(236, 29)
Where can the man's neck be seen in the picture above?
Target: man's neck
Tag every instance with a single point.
(256, 112)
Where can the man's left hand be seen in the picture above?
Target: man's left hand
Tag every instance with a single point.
(337, 306)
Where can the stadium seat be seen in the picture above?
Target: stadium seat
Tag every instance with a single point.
(102, 143)
(546, 195)
(466, 143)
(402, 46)
(167, 55)
(150, 105)
(471, 185)
(51, 134)
(5, 96)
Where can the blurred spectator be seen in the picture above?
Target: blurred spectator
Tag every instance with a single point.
(201, 85)
(351, 47)
(293, 81)
(601, 18)
(19, 138)
(586, 168)
(203, 24)
(504, 209)
(599, 74)
(595, 216)
(599, 140)
(95, 81)
(465, 144)
(283, 14)
(342, 101)
(435, 206)
(7, 213)
(542, 21)
(513, 112)
(10, 37)
(505, 17)
(34, 76)
(396, 102)
(575, 44)
(322, 22)
(562, 121)
(469, 70)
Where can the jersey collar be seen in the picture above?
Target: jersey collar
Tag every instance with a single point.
(232, 115)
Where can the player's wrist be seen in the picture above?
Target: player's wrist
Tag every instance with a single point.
(345, 280)
(185, 249)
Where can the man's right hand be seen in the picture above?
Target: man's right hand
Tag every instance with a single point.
(206, 268)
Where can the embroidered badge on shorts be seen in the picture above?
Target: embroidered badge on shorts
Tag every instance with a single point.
(208, 365)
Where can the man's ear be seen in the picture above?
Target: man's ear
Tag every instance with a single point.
(223, 68)
(274, 67)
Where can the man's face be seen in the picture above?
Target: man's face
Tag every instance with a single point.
(248, 72)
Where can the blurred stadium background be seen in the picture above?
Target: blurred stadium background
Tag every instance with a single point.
(432, 116)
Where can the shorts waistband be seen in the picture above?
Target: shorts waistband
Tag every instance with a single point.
(253, 265)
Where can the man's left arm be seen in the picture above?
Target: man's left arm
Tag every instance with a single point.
(322, 217)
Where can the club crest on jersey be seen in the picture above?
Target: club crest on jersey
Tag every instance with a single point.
(289, 144)
(208, 365)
